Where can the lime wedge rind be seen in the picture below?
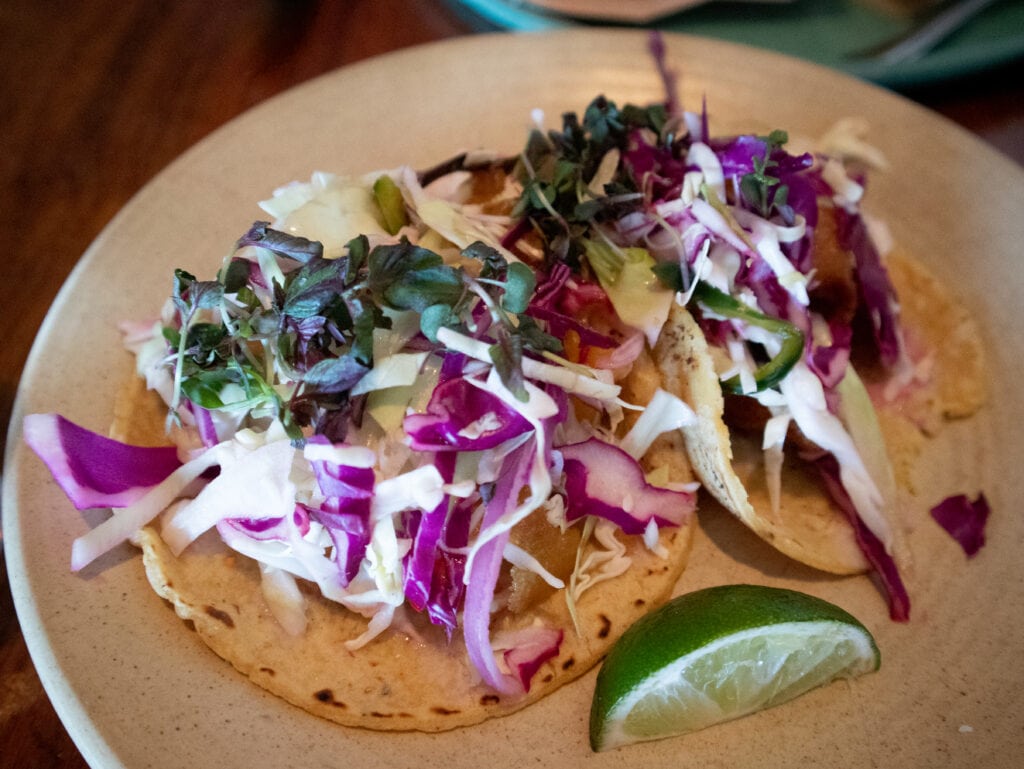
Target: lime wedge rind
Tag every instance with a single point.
(707, 658)
(762, 677)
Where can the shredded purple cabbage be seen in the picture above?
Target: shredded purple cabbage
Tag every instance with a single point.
(964, 519)
(348, 523)
(655, 166)
(876, 290)
(486, 567)
(93, 470)
(568, 305)
(604, 481)
(736, 153)
(570, 296)
(345, 512)
(344, 481)
(463, 417)
(881, 561)
(447, 586)
(271, 529)
(829, 363)
(656, 47)
(772, 297)
(204, 425)
(426, 537)
(530, 648)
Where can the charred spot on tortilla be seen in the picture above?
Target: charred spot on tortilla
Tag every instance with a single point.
(326, 696)
(219, 615)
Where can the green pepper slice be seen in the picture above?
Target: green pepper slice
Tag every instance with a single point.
(775, 370)
(392, 206)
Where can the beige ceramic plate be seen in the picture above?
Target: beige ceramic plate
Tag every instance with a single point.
(136, 689)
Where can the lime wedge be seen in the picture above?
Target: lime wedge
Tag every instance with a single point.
(718, 654)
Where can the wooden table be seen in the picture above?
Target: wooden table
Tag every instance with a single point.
(101, 96)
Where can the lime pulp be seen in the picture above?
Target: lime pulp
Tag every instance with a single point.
(721, 653)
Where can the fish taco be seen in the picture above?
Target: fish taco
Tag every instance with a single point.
(391, 498)
(816, 355)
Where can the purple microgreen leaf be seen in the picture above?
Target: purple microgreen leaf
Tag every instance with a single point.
(293, 247)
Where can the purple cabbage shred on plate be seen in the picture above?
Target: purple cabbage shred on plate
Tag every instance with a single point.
(964, 520)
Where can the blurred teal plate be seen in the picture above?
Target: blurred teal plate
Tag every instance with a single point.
(829, 32)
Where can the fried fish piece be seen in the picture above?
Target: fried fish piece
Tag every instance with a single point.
(729, 461)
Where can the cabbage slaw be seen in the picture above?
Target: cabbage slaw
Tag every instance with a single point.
(729, 225)
(389, 466)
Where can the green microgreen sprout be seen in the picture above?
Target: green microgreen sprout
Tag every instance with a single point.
(286, 332)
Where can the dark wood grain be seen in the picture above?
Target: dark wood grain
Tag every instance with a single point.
(99, 96)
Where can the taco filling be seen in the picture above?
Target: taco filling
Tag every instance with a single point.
(766, 297)
(390, 433)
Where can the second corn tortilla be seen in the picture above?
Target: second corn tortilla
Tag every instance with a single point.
(807, 526)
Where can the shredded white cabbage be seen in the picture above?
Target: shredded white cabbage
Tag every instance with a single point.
(397, 370)
(597, 385)
(717, 224)
(805, 397)
(845, 141)
(253, 483)
(664, 412)
(652, 539)
(601, 563)
(765, 237)
(421, 489)
(701, 155)
(772, 443)
(521, 559)
(284, 599)
(742, 365)
(339, 453)
(845, 191)
(451, 220)
(127, 520)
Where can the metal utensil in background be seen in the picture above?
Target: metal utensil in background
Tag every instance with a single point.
(932, 28)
